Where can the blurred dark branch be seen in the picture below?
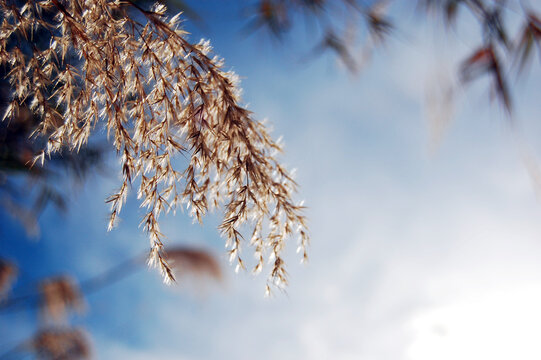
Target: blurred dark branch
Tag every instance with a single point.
(87, 286)
(185, 261)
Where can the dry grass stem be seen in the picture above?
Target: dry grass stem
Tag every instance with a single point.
(157, 95)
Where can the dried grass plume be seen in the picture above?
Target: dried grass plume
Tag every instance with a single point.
(158, 96)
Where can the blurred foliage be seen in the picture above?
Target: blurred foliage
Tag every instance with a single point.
(498, 52)
(60, 297)
(26, 190)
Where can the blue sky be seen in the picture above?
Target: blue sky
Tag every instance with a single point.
(418, 251)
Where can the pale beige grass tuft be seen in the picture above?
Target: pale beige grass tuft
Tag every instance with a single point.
(157, 95)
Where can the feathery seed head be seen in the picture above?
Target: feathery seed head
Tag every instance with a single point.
(158, 95)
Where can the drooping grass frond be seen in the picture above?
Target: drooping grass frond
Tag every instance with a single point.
(111, 64)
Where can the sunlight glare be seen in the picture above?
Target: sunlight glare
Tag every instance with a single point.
(503, 325)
